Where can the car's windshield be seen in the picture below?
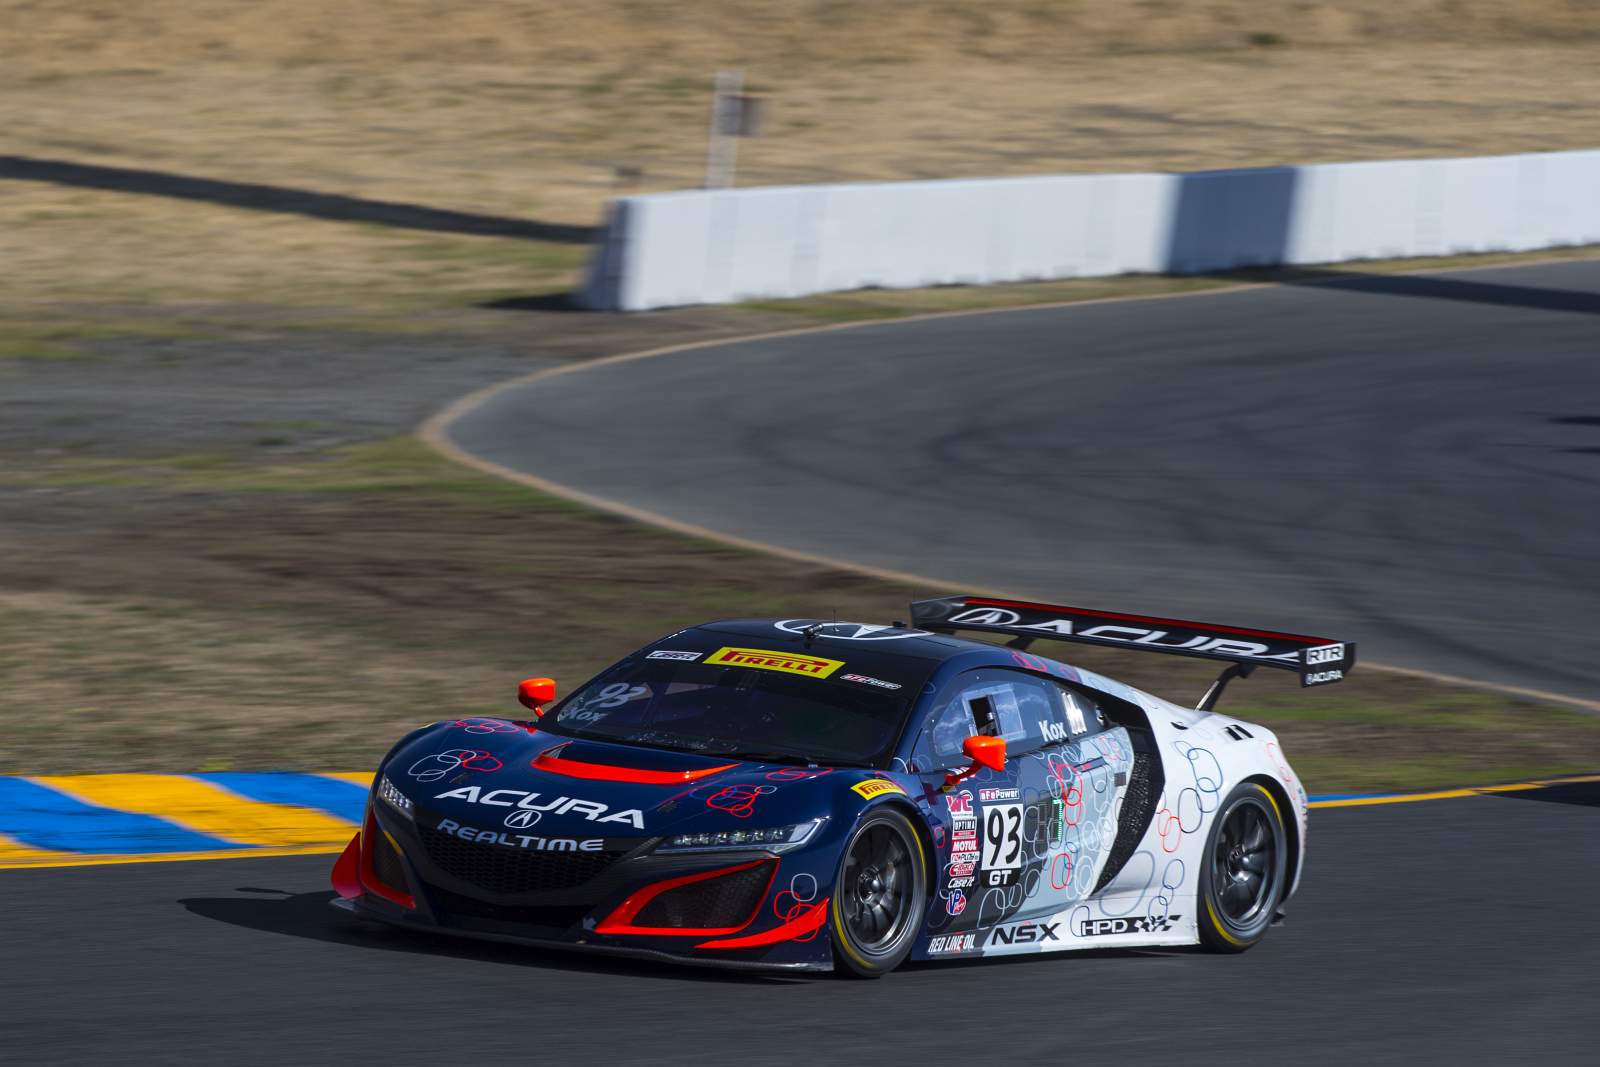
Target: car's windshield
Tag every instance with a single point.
(755, 713)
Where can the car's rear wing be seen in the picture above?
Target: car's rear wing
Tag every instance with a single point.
(1317, 660)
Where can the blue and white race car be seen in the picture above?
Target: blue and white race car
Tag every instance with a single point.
(808, 795)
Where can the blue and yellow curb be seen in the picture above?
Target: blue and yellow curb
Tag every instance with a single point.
(85, 819)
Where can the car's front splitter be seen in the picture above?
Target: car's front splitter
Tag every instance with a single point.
(406, 921)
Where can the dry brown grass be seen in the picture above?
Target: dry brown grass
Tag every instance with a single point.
(525, 109)
(305, 617)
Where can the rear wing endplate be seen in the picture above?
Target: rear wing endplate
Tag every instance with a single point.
(1317, 660)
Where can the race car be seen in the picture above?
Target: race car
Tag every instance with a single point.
(807, 795)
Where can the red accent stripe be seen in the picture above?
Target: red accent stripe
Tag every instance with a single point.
(798, 927)
(602, 772)
(1209, 627)
(347, 870)
(620, 921)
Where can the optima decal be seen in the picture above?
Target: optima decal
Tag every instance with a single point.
(876, 787)
(525, 801)
(764, 659)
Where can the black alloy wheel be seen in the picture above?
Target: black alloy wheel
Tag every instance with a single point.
(879, 895)
(1243, 879)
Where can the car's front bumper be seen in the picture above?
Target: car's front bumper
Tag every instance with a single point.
(781, 933)
(360, 909)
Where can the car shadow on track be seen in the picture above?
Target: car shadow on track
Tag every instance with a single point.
(310, 915)
(1583, 794)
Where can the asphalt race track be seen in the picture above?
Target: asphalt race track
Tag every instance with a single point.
(1447, 931)
(1408, 461)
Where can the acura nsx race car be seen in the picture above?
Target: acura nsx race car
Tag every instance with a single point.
(808, 795)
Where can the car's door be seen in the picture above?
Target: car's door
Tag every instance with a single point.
(1016, 839)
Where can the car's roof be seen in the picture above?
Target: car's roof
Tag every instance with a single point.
(823, 636)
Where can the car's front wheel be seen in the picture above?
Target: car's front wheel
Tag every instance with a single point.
(1242, 878)
(879, 895)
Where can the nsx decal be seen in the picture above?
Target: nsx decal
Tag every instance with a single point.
(763, 659)
(524, 801)
(876, 787)
(1024, 934)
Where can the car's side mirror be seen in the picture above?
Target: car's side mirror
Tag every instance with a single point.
(535, 693)
(984, 752)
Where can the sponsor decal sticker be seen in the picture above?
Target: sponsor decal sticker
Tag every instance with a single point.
(846, 631)
(1319, 677)
(960, 883)
(945, 944)
(1324, 654)
(1105, 927)
(537, 844)
(864, 680)
(987, 617)
(959, 803)
(522, 800)
(668, 653)
(990, 795)
(1025, 934)
(956, 904)
(1002, 843)
(767, 660)
(962, 870)
(876, 787)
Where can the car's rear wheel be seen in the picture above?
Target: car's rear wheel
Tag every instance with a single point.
(1242, 877)
(879, 895)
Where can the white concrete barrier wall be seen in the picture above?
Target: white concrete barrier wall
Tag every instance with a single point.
(720, 246)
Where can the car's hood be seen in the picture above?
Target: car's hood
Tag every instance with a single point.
(493, 774)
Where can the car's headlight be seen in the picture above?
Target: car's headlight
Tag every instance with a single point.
(772, 839)
(395, 799)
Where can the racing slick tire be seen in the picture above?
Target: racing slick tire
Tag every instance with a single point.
(879, 895)
(1242, 878)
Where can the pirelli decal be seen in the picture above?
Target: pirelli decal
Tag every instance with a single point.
(763, 659)
(876, 787)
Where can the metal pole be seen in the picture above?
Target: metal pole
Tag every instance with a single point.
(722, 151)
